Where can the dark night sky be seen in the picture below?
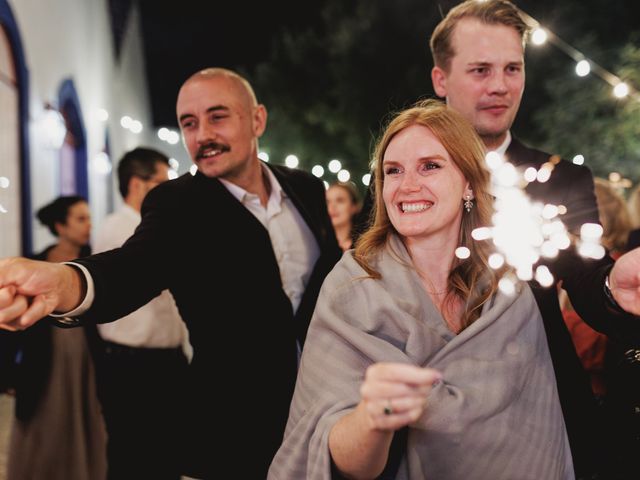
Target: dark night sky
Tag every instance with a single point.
(182, 37)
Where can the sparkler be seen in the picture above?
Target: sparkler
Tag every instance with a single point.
(524, 231)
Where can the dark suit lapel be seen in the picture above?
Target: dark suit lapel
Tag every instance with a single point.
(226, 200)
(517, 153)
(299, 204)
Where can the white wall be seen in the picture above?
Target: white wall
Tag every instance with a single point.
(65, 39)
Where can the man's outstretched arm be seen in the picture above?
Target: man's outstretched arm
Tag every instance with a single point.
(30, 290)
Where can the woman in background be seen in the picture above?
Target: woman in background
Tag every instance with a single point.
(614, 217)
(58, 431)
(343, 204)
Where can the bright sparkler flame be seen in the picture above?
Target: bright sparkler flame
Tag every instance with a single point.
(589, 245)
(524, 231)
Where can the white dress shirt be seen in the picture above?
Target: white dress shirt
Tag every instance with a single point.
(294, 245)
(154, 325)
(502, 149)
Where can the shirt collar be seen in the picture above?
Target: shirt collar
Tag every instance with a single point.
(502, 149)
(241, 194)
(130, 211)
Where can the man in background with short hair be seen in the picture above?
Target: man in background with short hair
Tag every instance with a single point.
(141, 363)
(479, 68)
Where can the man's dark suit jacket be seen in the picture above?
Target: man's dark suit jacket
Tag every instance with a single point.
(216, 258)
(634, 239)
(572, 186)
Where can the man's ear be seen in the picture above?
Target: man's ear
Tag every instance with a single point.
(259, 120)
(135, 186)
(439, 81)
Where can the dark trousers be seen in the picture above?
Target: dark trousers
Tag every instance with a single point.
(142, 394)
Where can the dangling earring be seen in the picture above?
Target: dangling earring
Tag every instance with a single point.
(468, 204)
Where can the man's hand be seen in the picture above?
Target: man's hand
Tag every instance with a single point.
(624, 281)
(31, 290)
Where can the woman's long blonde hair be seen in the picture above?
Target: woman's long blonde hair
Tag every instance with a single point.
(469, 276)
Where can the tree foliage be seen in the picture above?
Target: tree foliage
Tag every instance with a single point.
(330, 84)
(328, 88)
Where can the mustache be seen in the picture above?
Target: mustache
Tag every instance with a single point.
(212, 146)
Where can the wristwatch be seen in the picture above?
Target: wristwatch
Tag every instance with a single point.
(65, 322)
(609, 295)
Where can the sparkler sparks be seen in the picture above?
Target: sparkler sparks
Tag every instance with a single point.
(523, 231)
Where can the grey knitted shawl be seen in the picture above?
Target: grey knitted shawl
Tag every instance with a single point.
(496, 415)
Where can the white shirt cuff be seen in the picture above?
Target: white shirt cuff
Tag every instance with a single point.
(66, 317)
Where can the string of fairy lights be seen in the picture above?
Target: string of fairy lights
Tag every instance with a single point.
(539, 36)
(583, 66)
(522, 231)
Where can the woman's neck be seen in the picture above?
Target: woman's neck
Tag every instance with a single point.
(343, 234)
(63, 251)
(433, 261)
